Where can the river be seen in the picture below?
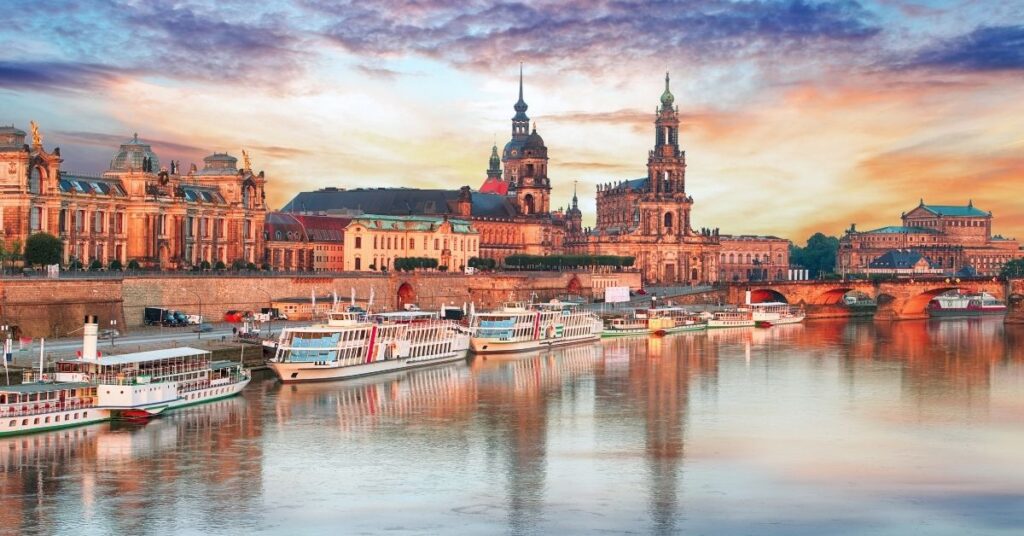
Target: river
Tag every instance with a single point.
(830, 427)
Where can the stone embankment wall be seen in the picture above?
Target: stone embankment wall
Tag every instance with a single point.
(55, 307)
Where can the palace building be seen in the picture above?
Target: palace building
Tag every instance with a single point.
(137, 210)
(951, 239)
(649, 217)
(511, 211)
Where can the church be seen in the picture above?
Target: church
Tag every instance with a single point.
(511, 211)
(649, 217)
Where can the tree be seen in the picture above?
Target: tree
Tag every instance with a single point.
(205, 265)
(42, 249)
(238, 265)
(250, 266)
(74, 264)
(115, 266)
(818, 256)
(1013, 269)
(95, 265)
(219, 266)
(134, 265)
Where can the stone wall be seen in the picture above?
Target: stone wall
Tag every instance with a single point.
(48, 307)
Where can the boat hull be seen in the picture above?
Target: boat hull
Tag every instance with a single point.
(306, 372)
(945, 313)
(720, 324)
(487, 346)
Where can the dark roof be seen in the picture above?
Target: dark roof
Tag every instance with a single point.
(299, 227)
(398, 202)
(635, 183)
(897, 258)
(90, 185)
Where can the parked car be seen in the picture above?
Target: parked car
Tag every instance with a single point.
(205, 327)
(233, 316)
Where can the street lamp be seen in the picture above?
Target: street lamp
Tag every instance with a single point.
(113, 324)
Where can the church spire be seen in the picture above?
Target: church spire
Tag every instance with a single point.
(575, 200)
(520, 121)
(667, 98)
(494, 169)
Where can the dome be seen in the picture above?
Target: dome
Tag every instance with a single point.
(219, 164)
(667, 98)
(133, 155)
(534, 141)
(11, 137)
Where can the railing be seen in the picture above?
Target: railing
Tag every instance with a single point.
(18, 410)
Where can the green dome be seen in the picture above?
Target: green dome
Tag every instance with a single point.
(666, 98)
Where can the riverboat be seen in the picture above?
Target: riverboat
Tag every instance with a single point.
(634, 323)
(738, 318)
(94, 388)
(522, 328)
(354, 344)
(665, 320)
(956, 304)
(776, 313)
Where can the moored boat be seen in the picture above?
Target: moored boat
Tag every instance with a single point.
(353, 344)
(737, 318)
(96, 388)
(776, 313)
(956, 304)
(522, 328)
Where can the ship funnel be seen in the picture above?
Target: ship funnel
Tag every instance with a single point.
(747, 297)
(90, 334)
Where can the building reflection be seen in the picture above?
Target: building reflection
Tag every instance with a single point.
(514, 397)
(133, 468)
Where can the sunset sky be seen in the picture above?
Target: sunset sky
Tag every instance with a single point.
(798, 115)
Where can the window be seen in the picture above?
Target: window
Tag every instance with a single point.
(359, 245)
(359, 262)
(437, 243)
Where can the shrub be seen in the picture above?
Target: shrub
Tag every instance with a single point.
(134, 265)
(219, 266)
(95, 265)
(205, 265)
(115, 266)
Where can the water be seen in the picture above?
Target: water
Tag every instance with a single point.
(823, 428)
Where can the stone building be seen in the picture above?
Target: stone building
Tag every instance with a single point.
(511, 210)
(952, 238)
(649, 217)
(374, 241)
(296, 242)
(136, 210)
(753, 258)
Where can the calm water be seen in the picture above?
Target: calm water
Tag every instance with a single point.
(826, 428)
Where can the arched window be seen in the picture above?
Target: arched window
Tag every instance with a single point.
(35, 180)
(668, 220)
(529, 204)
(359, 263)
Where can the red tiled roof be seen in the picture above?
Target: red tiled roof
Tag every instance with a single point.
(494, 186)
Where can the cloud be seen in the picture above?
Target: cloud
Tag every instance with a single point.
(55, 76)
(581, 35)
(113, 141)
(987, 48)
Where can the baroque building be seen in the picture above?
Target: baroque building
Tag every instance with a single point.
(511, 211)
(649, 218)
(137, 210)
(952, 239)
(753, 258)
(303, 243)
(375, 241)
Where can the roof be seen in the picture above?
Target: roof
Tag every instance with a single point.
(955, 210)
(384, 222)
(897, 258)
(218, 365)
(494, 185)
(398, 202)
(193, 193)
(30, 388)
(140, 357)
(635, 183)
(90, 185)
(900, 229)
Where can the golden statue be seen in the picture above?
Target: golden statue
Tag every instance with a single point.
(37, 138)
(246, 164)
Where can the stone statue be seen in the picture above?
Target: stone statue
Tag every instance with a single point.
(246, 163)
(37, 138)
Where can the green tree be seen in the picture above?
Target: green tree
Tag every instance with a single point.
(205, 265)
(134, 265)
(219, 266)
(115, 266)
(95, 265)
(42, 249)
(818, 256)
(1013, 269)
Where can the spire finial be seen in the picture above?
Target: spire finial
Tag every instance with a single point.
(667, 98)
(520, 81)
(666, 80)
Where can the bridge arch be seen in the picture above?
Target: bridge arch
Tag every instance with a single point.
(761, 295)
(919, 303)
(831, 297)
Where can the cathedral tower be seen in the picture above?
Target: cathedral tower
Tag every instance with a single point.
(666, 164)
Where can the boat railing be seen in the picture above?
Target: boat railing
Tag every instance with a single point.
(24, 410)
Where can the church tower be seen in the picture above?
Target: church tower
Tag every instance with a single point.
(526, 162)
(494, 184)
(666, 164)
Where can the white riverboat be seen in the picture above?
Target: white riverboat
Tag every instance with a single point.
(353, 344)
(659, 321)
(776, 313)
(954, 303)
(737, 318)
(95, 388)
(522, 328)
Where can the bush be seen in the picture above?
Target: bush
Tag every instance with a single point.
(265, 267)
(134, 265)
(250, 266)
(205, 265)
(95, 265)
(556, 262)
(238, 264)
(408, 264)
(481, 263)
(220, 267)
(115, 266)
(442, 268)
(42, 249)
(75, 264)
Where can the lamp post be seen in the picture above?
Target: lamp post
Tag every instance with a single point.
(113, 324)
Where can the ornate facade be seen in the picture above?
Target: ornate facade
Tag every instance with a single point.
(753, 258)
(951, 238)
(649, 217)
(375, 241)
(137, 210)
(511, 210)
(301, 243)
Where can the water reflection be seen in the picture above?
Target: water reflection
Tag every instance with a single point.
(813, 428)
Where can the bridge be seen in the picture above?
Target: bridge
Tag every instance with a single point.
(897, 299)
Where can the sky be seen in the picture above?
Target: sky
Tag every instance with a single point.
(797, 116)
